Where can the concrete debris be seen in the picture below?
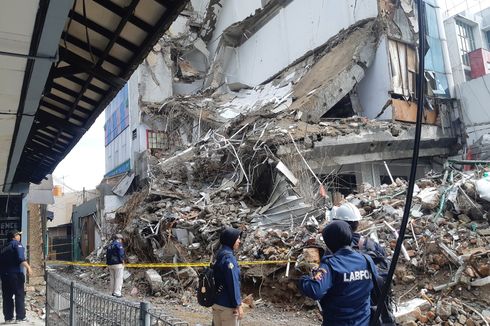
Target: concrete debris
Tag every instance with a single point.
(229, 181)
(154, 280)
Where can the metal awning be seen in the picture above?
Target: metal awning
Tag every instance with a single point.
(101, 44)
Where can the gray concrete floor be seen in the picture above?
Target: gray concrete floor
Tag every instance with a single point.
(34, 319)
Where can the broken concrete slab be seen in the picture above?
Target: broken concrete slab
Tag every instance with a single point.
(154, 280)
(335, 74)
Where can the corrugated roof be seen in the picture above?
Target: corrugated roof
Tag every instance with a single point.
(103, 42)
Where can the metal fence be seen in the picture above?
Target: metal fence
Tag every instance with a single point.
(71, 303)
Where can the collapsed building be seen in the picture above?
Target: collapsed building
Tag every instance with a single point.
(262, 115)
(221, 62)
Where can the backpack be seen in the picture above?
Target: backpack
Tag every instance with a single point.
(206, 288)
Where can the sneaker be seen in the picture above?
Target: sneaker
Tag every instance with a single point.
(9, 321)
(117, 295)
(23, 319)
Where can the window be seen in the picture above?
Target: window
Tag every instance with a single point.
(466, 40)
(119, 119)
(487, 34)
(155, 139)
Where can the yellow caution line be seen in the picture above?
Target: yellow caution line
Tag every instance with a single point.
(165, 265)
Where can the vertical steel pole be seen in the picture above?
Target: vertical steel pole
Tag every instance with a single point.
(72, 303)
(144, 315)
(46, 277)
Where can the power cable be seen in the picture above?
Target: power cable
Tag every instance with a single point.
(17, 114)
(413, 171)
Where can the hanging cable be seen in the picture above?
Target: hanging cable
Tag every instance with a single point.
(18, 114)
(413, 171)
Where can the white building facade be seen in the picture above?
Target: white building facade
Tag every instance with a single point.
(468, 37)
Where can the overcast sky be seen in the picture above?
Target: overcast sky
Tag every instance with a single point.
(84, 165)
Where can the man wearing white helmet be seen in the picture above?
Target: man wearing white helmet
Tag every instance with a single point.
(350, 213)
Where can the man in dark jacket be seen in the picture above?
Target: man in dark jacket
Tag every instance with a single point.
(12, 262)
(349, 213)
(343, 282)
(115, 258)
(227, 310)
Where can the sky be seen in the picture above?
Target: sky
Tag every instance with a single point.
(84, 166)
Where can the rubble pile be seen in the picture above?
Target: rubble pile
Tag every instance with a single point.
(233, 176)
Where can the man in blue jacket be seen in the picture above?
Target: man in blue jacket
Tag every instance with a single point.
(227, 310)
(115, 258)
(350, 213)
(12, 262)
(343, 281)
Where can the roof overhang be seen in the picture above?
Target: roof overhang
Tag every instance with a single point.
(80, 54)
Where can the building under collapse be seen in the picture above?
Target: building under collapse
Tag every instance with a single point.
(300, 68)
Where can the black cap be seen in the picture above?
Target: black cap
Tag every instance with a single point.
(229, 236)
(12, 233)
(337, 234)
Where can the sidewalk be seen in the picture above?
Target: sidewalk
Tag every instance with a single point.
(34, 319)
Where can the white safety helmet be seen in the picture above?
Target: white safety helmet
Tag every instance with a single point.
(346, 212)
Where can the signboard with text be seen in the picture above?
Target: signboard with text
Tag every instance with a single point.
(10, 216)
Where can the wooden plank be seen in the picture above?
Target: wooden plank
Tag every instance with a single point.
(411, 59)
(406, 111)
(402, 56)
(396, 76)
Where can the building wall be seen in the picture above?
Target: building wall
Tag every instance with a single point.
(294, 31)
(35, 244)
(117, 147)
(474, 96)
(118, 151)
(374, 89)
(232, 11)
(123, 153)
(63, 206)
(457, 66)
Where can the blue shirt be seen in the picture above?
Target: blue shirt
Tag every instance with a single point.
(11, 256)
(115, 253)
(227, 278)
(343, 288)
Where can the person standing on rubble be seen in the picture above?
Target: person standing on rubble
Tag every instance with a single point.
(12, 262)
(227, 310)
(350, 213)
(343, 282)
(115, 259)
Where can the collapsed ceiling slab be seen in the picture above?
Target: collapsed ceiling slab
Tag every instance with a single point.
(336, 73)
(101, 45)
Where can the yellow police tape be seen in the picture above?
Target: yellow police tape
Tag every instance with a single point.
(166, 265)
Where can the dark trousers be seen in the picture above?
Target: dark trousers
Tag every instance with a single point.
(13, 286)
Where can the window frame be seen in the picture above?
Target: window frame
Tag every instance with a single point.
(466, 40)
